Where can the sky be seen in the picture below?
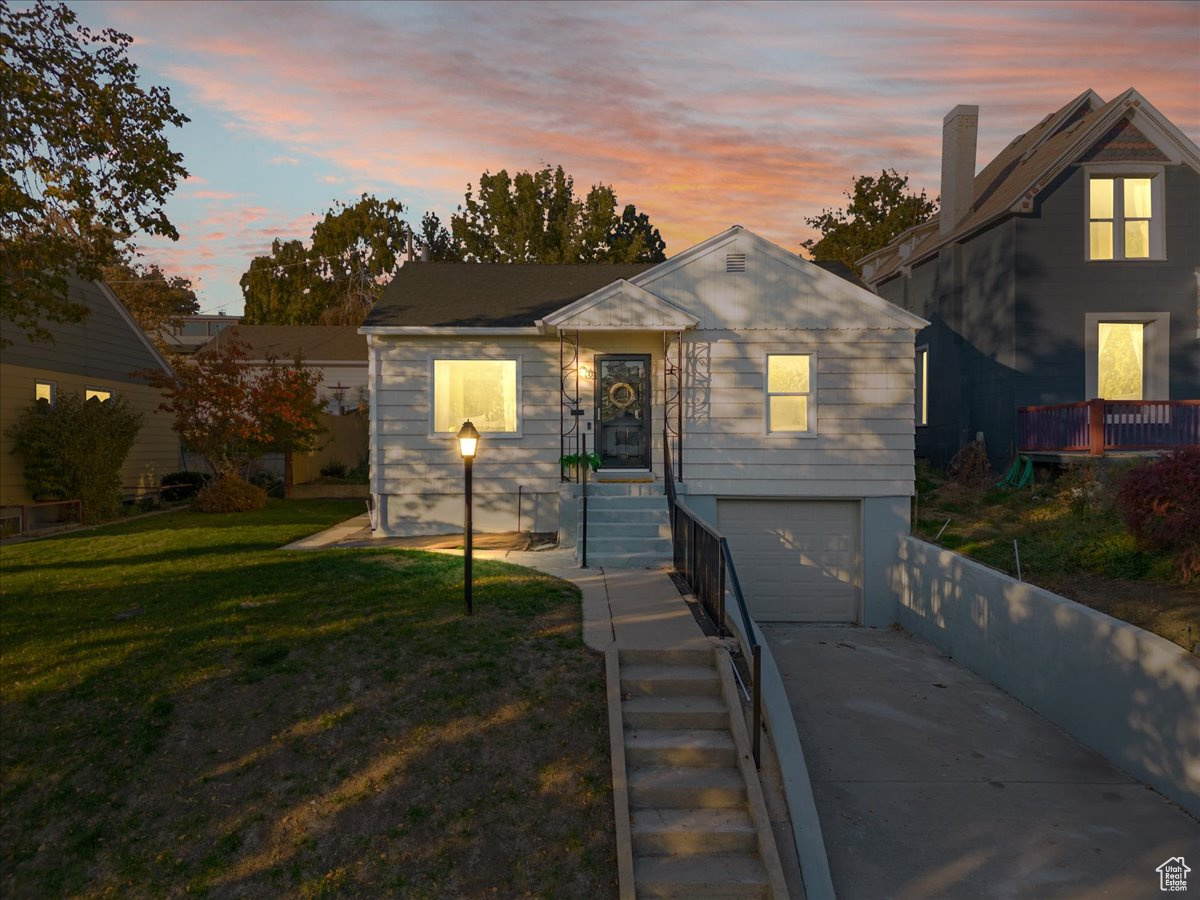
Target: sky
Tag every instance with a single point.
(703, 115)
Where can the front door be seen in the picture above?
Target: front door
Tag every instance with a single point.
(623, 411)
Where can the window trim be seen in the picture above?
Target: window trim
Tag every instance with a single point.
(921, 387)
(473, 357)
(811, 394)
(53, 385)
(1158, 210)
(99, 390)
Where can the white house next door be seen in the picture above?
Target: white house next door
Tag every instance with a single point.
(797, 560)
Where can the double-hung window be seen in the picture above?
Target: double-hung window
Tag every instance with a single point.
(482, 390)
(1125, 216)
(101, 394)
(46, 390)
(789, 393)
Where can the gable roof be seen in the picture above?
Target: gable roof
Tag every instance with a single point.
(487, 295)
(1009, 183)
(314, 343)
(621, 306)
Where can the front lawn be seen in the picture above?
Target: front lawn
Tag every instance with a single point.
(186, 708)
(1072, 540)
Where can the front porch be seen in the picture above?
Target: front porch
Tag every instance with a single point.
(1094, 428)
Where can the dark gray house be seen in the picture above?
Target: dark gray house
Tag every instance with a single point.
(1066, 271)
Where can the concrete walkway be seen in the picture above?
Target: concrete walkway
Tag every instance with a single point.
(931, 782)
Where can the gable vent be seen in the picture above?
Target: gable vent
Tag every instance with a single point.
(735, 262)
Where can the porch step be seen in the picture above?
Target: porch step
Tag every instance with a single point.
(659, 832)
(706, 749)
(650, 680)
(620, 489)
(688, 787)
(712, 876)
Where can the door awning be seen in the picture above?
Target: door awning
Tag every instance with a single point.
(620, 306)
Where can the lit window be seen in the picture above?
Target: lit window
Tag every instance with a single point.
(1121, 353)
(99, 393)
(922, 408)
(482, 390)
(45, 390)
(789, 393)
(1122, 221)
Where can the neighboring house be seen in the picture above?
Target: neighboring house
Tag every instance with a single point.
(193, 332)
(95, 357)
(1065, 271)
(339, 351)
(785, 392)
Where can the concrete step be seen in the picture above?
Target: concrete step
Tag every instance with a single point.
(626, 560)
(632, 656)
(620, 489)
(676, 712)
(711, 876)
(686, 787)
(599, 515)
(614, 545)
(650, 680)
(621, 530)
(703, 748)
(661, 832)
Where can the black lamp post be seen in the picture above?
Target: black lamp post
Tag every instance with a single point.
(468, 442)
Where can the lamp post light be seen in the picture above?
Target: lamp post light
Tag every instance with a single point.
(468, 442)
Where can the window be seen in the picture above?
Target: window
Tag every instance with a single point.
(922, 399)
(789, 393)
(1125, 217)
(482, 390)
(45, 390)
(100, 394)
(1120, 372)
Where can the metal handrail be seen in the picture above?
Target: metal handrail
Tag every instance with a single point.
(692, 541)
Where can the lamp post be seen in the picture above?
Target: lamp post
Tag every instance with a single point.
(468, 442)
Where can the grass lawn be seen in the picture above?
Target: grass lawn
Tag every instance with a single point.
(1072, 540)
(188, 709)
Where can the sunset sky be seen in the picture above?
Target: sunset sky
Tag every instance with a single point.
(703, 115)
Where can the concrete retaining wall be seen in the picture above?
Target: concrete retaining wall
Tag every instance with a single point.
(1126, 693)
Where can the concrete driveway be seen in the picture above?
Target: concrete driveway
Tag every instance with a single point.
(931, 782)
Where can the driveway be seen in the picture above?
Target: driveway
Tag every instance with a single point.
(931, 782)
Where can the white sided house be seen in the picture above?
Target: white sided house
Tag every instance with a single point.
(784, 395)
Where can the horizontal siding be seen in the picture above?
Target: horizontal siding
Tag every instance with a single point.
(155, 453)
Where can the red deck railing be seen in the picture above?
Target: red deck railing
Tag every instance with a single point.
(1100, 425)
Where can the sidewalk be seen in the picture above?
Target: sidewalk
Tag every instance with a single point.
(931, 782)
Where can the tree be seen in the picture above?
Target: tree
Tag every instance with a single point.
(435, 241)
(232, 414)
(536, 217)
(352, 254)
(879, 209)
(85, 165)
(155, 300)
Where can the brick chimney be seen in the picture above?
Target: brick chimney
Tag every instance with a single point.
(960, 129)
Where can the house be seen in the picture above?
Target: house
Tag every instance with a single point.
(1064, 272)
(96, 357)
(193, 332)
(339, 351)
(781, 393)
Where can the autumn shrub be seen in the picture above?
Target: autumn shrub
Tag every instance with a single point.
(182, 485)
(1161, 506)
(230, 494)
(75, 450)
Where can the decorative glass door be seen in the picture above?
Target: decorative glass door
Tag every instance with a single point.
(623, 386)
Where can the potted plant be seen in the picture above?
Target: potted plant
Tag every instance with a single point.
(572, 461)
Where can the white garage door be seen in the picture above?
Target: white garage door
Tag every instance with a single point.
(797, 560)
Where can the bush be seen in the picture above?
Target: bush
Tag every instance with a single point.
(272, 484)
(182, 485)
(334, 469)
(1161, 506)
(75, 449)
(230, 494)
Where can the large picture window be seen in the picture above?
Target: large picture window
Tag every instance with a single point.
(1120, 368)
(482, 390)
(789, 392)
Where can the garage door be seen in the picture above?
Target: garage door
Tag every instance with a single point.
(797, 560)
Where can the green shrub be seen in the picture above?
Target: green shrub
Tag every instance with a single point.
(334, 469)
(75, 449)
(230, 494)
(272, 484)
(182, 485)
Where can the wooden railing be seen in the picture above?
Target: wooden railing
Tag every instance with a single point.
(1100, 425)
